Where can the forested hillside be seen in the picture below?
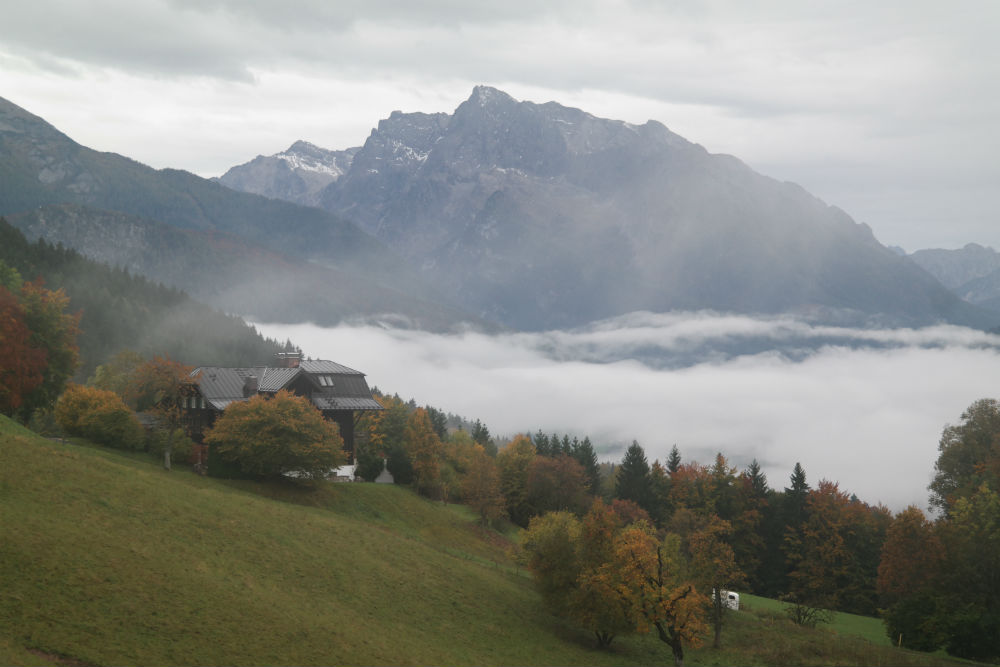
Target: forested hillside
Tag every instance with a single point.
(120, 310)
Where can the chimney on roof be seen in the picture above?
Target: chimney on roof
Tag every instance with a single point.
(250, 386)
(288, 359)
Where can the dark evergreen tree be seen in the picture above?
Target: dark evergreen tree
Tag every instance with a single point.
(481, 436)
(632, 481)
(758, 480)
(439, 421)
(541, 442)
(583, 452)
(795, 497)
(674, 460)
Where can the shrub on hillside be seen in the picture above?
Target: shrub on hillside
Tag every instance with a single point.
(270, 437)
(100, 416)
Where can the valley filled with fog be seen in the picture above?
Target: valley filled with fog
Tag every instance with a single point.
(864, 407)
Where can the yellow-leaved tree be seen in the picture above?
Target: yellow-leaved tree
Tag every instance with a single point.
(271, 437)
(651, 583)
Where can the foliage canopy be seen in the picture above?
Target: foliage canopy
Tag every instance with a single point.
(271, 437)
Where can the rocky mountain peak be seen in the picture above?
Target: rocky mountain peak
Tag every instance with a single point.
(543, 215)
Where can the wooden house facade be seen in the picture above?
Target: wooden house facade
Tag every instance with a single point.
(340, 393)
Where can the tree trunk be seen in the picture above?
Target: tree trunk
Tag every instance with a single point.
(717, 614)
(673, 642)
(168, 450)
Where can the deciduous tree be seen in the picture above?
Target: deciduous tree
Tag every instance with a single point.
(652, 586)
(909, 571)
(514, 462)
(160, 386)
(713, 563)
(98, 415)
(425, 451)
(969, 454)
(54, 331)
(118, 373)
(21, 363)
(967, 607)
(557, 483)
(270, 437)
(481, 487)
(385, 436)
(597, 603)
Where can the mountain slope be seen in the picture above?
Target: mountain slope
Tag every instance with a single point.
(539, 216)
(229, 273)
(120, 311)
(40, 166)
(972, 272)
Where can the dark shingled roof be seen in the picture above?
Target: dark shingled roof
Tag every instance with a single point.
(274, 379)
(349, 391)
(320, 366)
(345, 403)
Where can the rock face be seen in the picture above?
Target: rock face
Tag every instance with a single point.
(542, 216)
(296, 175)
(534, 216)
(972, 273)
(242, 252)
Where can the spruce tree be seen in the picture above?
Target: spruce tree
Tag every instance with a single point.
(585, 455)
(674, 460)
(758, 480)
(632, 482)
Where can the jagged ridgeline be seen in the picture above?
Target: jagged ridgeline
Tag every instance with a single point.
(124, 311)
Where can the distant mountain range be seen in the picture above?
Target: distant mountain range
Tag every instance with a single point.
(243, 253)
(542, 216)
(972, 272)
(532, 216)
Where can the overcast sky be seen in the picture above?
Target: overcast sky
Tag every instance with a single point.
(886, 109)
(868, 418)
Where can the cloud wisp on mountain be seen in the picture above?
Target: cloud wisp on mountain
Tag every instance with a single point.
(866, 409)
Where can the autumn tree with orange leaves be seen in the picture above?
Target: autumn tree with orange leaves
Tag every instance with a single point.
(481, 487)
(100, 416)
(21, 363)
(652, 586)
(38, 351)
(597, 604)
(271, 437)
(573, 567)
(714, 564)
(159, 386)
(425, 451)
(911, 563)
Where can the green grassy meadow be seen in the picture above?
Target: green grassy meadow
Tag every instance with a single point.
(106, 559)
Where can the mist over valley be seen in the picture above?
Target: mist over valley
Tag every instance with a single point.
(863, 407)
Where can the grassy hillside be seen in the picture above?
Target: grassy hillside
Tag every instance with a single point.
(106, 559)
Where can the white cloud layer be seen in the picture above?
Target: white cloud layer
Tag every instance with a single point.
(884, 109)
(869, 417)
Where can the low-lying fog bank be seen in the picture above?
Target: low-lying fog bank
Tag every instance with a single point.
(862, 407)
